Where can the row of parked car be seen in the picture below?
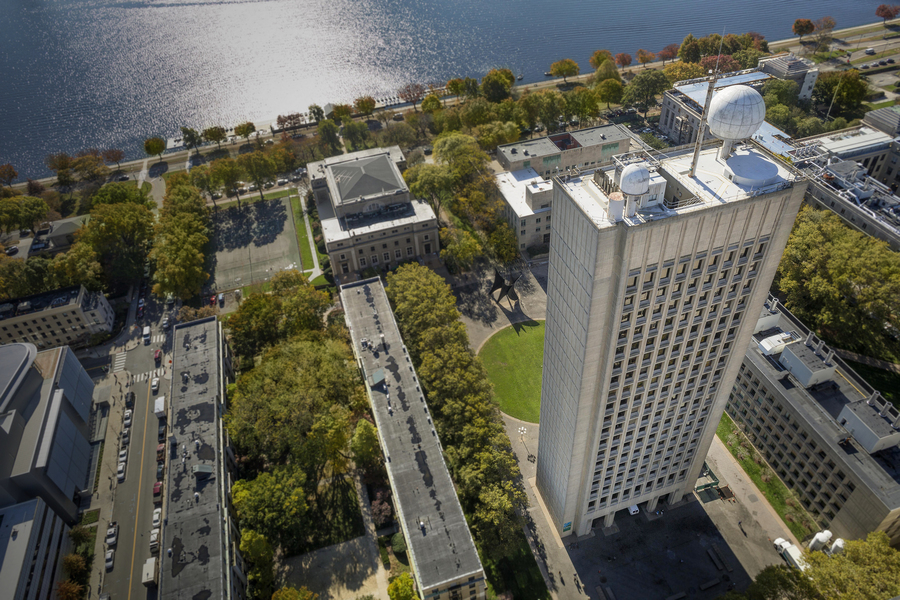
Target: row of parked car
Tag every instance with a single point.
(879, 63)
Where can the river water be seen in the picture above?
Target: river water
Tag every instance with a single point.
(108, 73)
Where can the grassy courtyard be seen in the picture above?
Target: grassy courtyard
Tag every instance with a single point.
(513, 358)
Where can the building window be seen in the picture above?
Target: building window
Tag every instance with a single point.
(522, 222)
(397, 254)
(387, 257)
(362, 262)
(522, 232)
(426, 236)
(374, 259)
(538, 220)
(343, 257)
(409, 251)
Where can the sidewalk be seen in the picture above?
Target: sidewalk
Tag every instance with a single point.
(730, 473)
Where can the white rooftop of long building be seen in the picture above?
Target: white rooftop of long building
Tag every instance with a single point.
(513, 186)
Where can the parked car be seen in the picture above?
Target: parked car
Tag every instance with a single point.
(110, 559)
(123, 455)
(157, 492)
(157, 356)
(282, 180)
(161, 452)
(12, 250)
(253, 187)
(126, 436)
(127, 419)
(160, 471)
(890, 61)
(221, 299)
(120, 472)
(269, 184)
(154, 385)
(154, 540)
(157, 516)
(129, 399)
(112, 534)
(122, 178)
(212, 300)
(161, 434)
(870, 51)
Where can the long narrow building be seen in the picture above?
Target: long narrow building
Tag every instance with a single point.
(442, 554)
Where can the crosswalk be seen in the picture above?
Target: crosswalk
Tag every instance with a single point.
(158, 338)
(119, 362)
(149, 375)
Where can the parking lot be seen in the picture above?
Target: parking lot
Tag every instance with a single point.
(252, 243)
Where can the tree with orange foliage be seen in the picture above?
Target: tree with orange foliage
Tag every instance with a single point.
(623, 59)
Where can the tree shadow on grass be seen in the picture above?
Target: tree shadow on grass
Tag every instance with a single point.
(157, 169)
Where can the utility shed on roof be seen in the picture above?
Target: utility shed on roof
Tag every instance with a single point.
(443, 556)
(806, 365)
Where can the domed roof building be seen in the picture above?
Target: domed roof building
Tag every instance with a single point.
(735, 113)
(635, 180)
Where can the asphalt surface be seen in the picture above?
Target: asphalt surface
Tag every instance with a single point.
(133, 498)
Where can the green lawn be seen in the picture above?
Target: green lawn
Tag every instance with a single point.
(280, 193)
(877, 105)
(146, 187)
(886, 382)
(306, 259)
(257, 288)
(513, 358)
(775, 491)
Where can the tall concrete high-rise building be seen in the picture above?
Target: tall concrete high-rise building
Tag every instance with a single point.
(659, 266)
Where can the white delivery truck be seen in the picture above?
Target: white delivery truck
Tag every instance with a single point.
(146, 334)
(159, 407)
(150, 572)
(790, 553)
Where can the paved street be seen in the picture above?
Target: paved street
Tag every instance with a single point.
(130, 502)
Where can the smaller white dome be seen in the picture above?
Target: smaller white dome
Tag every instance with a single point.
(736, 112)
(635, 180)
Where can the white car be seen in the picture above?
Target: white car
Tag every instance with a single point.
(157, 517)
(120, 472)
(123, 455)
(282, 181)
(154, 385)
(253, 187)
(112, 534)
(110, 559)
(154, 541)
(128, 418)
(126, 437)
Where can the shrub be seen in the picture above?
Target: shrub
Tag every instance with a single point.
(398, 543)
(731, 439)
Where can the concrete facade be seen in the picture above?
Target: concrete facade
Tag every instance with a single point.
(528, 200)
(369, 217)
(553, 154)
(443, 557)
(66, 317)
(789, 67)
(647, 298)
(33, 540)
(45, 405)
(822, 428)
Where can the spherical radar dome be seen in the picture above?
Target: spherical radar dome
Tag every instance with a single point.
(635, 180)
(736, 112)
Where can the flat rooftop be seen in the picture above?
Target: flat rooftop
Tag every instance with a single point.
(193, 524)
(820, 405)
(18, 519)
(849, 142)
(39, 302)
(440, 544)
(695, 89)
(513, 185)
(337, 229)
(558, 142)
(711, 184)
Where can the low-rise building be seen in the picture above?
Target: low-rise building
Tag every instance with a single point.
(369, 217)
(442, 554)
(45, 450)
(200, 555)
(33, 540)
(555, 154)
(788, 66)
(869, 147)
(527, 199)
(886, 120)
(68, 316)
(823, 429)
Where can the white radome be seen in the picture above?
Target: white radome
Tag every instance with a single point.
(736, 112)
(635, 180)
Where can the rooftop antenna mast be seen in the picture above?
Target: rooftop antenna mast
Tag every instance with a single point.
(709, 94)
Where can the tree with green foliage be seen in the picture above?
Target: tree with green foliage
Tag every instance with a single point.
(191, 138)
(610, 91)
(846, 88)
(748, 58)
(565, 68)
(329, 139)
(254, 325)
(803, 27)
(316, 113)
(355, 133)
(653, 141)
(503, 243)
(402, 588)
(689, 50)
(8, 174)
(155, 147)
(496, 133)
(292, 593)
(607, 70)
(78, 266)
(259, 168)
(866, 569)
(179, 256)
(257, 551)
(245, 130)
(365, 105)
(120, 193)
(781, 91)
(203, 177)
(497, 85)
(599, 57)
(460, 248)
(842, 283)
(274, 505)
(215, 134)
(9, 213)
(79, 534)
(398, 543)
(583, 103)
(90, 167)
(431, 182)
(365, 445)
(642, 90)
(781, 117)
(462, 155)
(228, 172)
(32, 212)
(431, 104)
